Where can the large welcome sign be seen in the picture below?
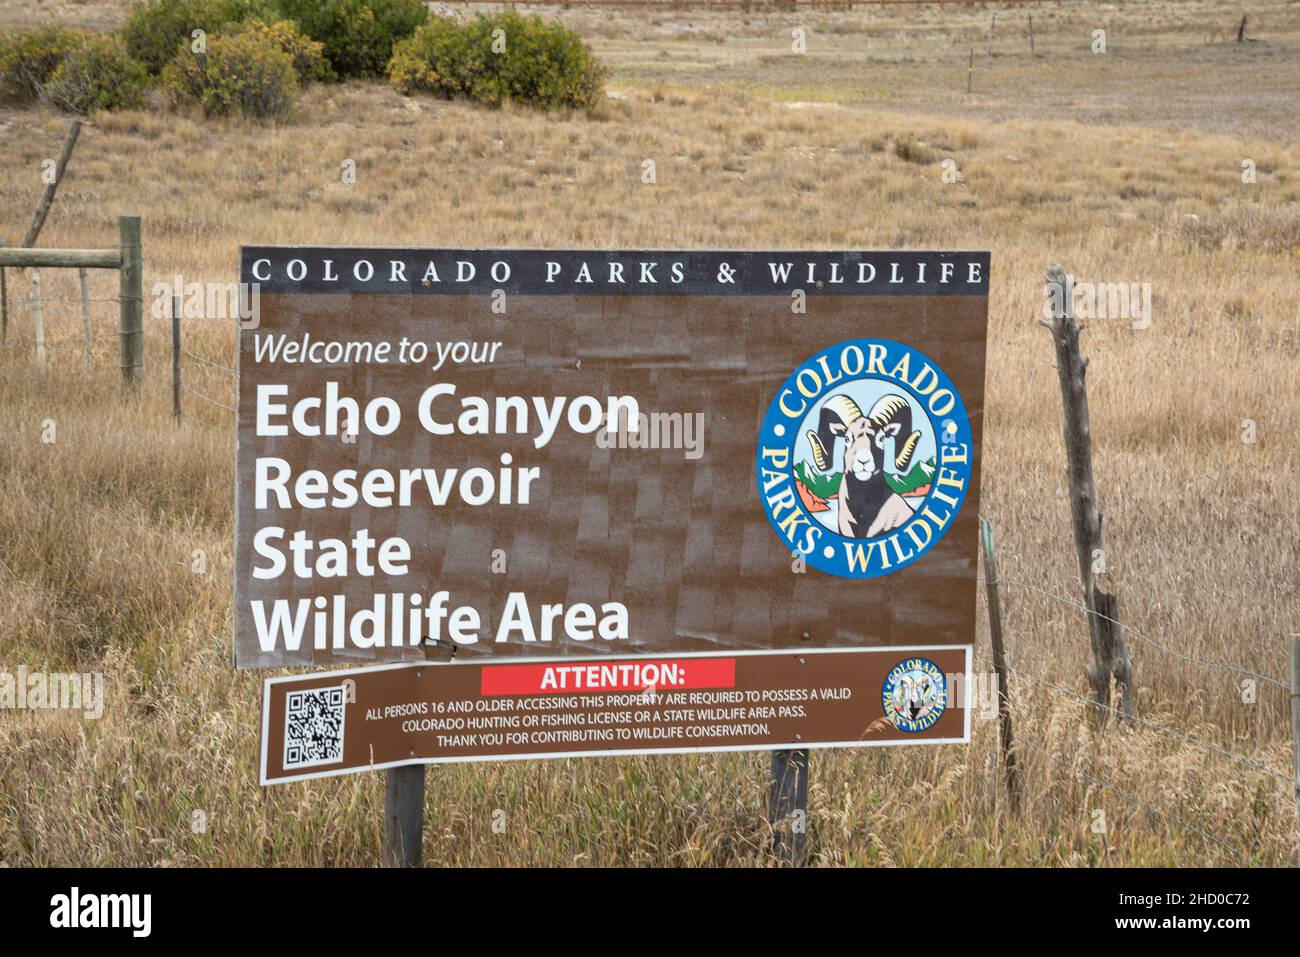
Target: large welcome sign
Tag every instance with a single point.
(478, 456)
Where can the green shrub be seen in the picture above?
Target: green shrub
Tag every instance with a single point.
(97, 74)
(527, 61)
(28, 59)
(245, 74)
(307, 54)
(358, 34)
(436, 59)
(156, 29)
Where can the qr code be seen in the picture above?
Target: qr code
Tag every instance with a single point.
(313, 727)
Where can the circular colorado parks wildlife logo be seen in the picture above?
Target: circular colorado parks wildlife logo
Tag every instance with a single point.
(915, 694)
(864, 458)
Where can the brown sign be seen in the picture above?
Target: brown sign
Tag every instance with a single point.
(369, 718)
(533, 453)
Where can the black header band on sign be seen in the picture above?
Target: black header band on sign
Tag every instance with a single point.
(324, 269)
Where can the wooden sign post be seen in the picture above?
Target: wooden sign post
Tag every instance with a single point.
(404, 816)
(788, 807)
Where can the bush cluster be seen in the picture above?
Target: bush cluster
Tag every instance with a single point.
(28, 59)
(77, 72)
(308, 55)
(358, 35)
(251, 57)
(245, 74)
(97, 74)
(500, 57)
(157, 29)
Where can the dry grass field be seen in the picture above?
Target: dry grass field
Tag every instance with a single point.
(1124, 167)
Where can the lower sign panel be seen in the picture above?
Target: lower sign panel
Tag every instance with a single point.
(359, 719)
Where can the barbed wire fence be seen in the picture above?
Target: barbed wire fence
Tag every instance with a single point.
(1110, 674)
(65, 317)
(80, 311)
(1074, 765)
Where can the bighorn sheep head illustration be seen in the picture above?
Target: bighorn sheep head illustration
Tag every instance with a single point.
(866, 436)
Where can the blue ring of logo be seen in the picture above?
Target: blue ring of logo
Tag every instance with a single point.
(785, 428)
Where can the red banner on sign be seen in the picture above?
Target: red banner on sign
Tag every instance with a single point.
(613, 676)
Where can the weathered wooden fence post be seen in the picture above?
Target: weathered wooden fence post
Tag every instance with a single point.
(1031, 35)
(176, 358)
(131, 298)
(1295, 733)
(85, 315)
(1110, 656)
(970, 70)
(38, 317)
(404, 816)
(52, 187)
(787, 807)
(1000, 668)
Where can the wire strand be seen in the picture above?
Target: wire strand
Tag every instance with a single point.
(1197, 742)
(1232, 669)
(209, 362)
(205, 398)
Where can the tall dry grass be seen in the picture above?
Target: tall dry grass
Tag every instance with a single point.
(98, 529)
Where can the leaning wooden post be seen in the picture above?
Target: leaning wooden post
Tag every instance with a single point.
(1110, 656)
(52, 187)
(131, 298)
(176, 358)
(38, 317)
(1295, 733)
(404, 816)
(1000, 668)
(85, 315)
(787, 807)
